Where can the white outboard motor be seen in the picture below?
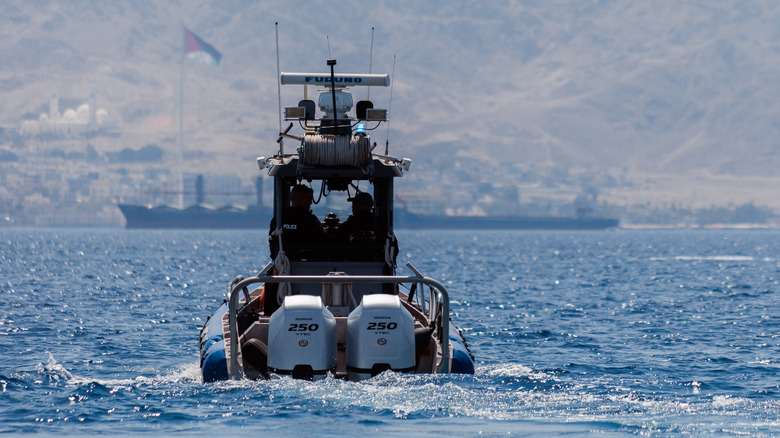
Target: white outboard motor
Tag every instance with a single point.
(380, 337)
(302, 338)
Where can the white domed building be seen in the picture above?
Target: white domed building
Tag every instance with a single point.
(84, 119)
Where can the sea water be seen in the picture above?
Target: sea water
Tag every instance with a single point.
(607, 332)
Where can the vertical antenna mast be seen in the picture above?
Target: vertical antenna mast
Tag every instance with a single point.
(279, 88)
(389, 108)
(332, 63)
(370, 60)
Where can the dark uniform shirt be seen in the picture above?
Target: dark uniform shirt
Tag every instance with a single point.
(299, 227)
(362, 222)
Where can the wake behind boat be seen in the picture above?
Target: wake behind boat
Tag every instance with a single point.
(331, 302)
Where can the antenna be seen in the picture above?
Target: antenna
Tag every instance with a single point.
(370, 60)
(390, 107)
(279, 87)
(328, 39)
(332, 63)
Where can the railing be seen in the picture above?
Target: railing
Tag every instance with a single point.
(439, 304)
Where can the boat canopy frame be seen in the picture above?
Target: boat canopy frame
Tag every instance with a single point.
(289, 171)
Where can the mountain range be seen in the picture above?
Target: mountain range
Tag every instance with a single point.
(680, 97)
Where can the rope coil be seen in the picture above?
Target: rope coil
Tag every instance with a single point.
(390, 251)
(282, 267)
(336, 150)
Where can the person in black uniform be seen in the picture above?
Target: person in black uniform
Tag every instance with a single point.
(361, 224)
(299, 225)
(361, 232)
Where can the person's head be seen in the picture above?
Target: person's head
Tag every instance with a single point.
(362, 202)
(301, 196)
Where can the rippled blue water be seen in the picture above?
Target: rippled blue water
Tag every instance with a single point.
(616, 332)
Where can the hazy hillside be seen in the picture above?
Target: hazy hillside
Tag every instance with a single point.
(677, 88)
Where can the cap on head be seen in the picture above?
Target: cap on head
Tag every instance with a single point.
(300, 188)
(363, 198)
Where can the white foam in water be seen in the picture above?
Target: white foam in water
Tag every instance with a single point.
(514, 370)
(187, 373)
(721, 401)
(54, 370)
(484, 396)
(718, 258)
(713, 258)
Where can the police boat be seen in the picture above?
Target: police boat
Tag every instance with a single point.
(330, 303)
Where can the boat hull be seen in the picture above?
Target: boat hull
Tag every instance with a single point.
(213, 360)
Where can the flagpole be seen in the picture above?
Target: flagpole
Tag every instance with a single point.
(203, 51)
(181, 133)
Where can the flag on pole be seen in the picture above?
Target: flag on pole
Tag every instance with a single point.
(196, 48)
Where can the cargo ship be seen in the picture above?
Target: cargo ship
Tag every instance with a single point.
(256, 217)
(200, 215)
(204, 216)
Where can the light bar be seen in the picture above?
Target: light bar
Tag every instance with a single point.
(376, 114)
(345, 80)
(294, 112)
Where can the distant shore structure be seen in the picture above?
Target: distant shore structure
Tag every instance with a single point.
(86, 118)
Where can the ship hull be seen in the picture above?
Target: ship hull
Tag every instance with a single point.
(140, 217)
(407, 220)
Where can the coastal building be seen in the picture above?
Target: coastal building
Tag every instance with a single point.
(84, 119)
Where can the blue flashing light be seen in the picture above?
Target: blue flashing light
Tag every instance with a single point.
(361, 128)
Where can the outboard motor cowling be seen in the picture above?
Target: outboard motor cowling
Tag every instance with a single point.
(380, 337)
(302, 338)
